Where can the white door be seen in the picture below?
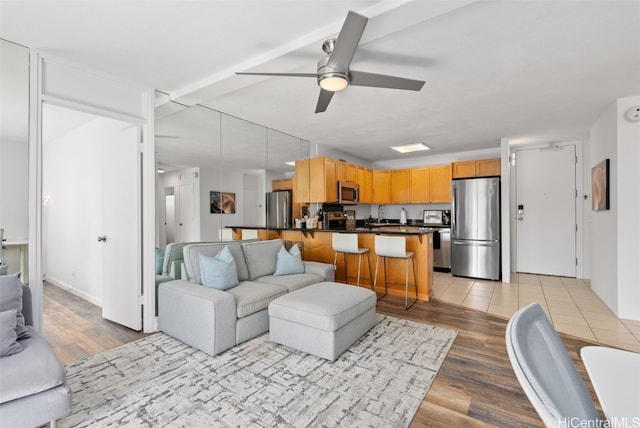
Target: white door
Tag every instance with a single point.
(545, 211)
(170, 218)
(184, 231)
(121, 229)
(252, 202)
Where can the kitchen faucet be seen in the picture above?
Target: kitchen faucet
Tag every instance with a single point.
(380, 213)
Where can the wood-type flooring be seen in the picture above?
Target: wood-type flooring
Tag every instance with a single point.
(475, 387)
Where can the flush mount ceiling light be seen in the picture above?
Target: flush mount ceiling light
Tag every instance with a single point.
(408, 148)
(161, 171)
(292, 163)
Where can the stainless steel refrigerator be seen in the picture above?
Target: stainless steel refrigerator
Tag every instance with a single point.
(279, 209)
(475, 228)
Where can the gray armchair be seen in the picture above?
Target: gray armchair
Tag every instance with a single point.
(33, 391)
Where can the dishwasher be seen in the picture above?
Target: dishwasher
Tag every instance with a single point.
(442, 249)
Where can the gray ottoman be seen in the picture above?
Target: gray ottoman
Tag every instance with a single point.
(322, 319)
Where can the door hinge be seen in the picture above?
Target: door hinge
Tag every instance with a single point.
(576, 227)
(576, 261)
(576, 160)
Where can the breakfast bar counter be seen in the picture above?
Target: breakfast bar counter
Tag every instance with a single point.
(316, 246)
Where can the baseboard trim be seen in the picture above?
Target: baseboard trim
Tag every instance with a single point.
(85, 296)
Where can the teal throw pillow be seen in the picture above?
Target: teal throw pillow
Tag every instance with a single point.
(219, 272)
(159, 261)
(289, 262)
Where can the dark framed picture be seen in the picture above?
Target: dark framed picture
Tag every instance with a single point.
(222, 202)
(600, 186)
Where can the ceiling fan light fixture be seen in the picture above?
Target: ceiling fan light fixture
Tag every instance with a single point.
(408, 148)
(333, 82)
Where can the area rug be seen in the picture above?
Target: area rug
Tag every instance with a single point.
(159, 381)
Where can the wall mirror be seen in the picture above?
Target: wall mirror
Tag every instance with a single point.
(215, 170)
(14, 157)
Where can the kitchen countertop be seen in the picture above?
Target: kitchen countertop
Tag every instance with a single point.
(392, 229)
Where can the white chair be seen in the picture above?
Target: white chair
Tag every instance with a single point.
(395, 247)
(225, 235)
(347, 243)
(546, 372)
(249, 234)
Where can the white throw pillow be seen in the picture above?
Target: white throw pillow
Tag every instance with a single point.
(289, 262)
(220, 271)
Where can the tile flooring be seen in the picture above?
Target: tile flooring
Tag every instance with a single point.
(569, 302)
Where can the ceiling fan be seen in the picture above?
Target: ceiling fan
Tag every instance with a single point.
(334, 73)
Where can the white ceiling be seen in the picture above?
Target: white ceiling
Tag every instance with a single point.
(532, 71)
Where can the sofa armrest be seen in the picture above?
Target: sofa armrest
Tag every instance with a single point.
(324, 270)
(200, 316)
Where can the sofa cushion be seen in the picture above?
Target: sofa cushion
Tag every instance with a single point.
(192, 261)
(219, 271)
(33, 370)
(292, 282)
(11, 298)
(252, 297)
(261, 257)
(8, 337)
(289, 262)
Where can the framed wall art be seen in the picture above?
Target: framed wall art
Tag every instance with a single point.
(600, 186)
(222, 202)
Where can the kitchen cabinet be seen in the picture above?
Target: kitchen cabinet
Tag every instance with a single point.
(400, 182)
(440, 183)
(476, 168)
(302, 172)
(346, 171)
(381, 187)
(282, 184)
(323, 185)
(365, 181)
(419, 184)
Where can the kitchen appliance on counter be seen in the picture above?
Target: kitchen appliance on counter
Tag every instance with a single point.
(334, 220)
(438, 220)
(348, 193)
(279, 209)
(475, 228)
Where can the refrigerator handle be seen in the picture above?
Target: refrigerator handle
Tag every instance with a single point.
(454, 213)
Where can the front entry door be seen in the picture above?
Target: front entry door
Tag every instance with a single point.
(120, 238)
(545, 211)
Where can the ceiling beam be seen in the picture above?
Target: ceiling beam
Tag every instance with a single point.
(386, 17)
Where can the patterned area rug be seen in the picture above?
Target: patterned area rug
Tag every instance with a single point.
(159, 381)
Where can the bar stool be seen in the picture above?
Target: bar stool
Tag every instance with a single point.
(347, 243)
(396, 247)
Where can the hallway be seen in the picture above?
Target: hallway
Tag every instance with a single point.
(569, 302)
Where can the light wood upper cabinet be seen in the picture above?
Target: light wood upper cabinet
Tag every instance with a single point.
(476, 168)
(419, 184)
(365, 181)
(440, 183)
(488, 167)
(346, 171)
(400, 186)
(302, 180)
(323, 185)
(282, 184)
(381, 187)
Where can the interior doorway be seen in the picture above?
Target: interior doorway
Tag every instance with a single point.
(546, 210)
(91, 218)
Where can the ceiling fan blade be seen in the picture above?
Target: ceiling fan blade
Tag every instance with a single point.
(281, 74)
(323, 100)
(361, 78)
(347, 41)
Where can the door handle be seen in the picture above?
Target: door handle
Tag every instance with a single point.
(102, 238)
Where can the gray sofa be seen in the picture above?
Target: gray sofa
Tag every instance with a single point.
(32, 381)
(213, 320)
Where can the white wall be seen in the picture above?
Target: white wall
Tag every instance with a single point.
(72, 208)
(615, 233)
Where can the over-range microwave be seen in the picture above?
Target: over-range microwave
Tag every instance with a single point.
(348, 192)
